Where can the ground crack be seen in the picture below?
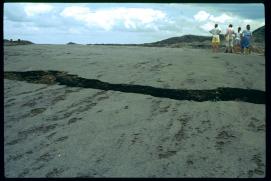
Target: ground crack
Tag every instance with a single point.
(63, 78)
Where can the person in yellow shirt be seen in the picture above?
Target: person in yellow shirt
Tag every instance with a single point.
(215, 40)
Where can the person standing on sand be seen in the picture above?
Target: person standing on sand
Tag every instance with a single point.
(215, 40)
(237, 41)
(246, 39)
(229, 39)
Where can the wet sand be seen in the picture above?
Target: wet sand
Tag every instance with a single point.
(68, 131)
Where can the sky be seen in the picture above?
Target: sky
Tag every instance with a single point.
(85, 23)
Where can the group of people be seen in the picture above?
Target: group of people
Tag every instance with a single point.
(235, 41)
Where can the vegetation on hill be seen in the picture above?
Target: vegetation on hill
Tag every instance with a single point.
(259, 34)
(17, 42)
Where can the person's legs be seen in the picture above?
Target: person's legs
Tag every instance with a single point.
(231, 45)
(217, 48)
(245, 44)
(213, 47)
(242, 48)
(227, 46)
(217, 45)
(213, 44)
(242, 43)
(239, 49)
(246, 50)
(236, 46)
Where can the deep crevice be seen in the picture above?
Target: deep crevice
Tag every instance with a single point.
(62, 78)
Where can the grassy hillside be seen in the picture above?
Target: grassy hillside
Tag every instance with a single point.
(259, 35)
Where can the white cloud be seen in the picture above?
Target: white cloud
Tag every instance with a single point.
(220, 19)
(204, 16)
(40, 8)
(207, 21)
(207, 26)
(130, 18)
(236, 22)
(201, 16)
(77, 12)
(248, 21)
(254, 24)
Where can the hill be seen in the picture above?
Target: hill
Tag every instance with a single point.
(18, 42)
(196, 41)
(183, 39)
(71, 43)
(259, 35)
(193, 41)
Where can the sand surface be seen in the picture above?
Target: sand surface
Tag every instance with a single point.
(60, 131)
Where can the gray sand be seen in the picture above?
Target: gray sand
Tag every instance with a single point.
(59, 131)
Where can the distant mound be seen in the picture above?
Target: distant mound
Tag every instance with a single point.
(18, 42)
(71, 43)
(182, 39)
(193, 41)
(259, 35)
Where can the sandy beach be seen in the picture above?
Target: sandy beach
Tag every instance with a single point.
(53, 130)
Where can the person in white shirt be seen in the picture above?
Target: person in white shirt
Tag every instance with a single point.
(215, 40)
(229, 39)
(237, 41)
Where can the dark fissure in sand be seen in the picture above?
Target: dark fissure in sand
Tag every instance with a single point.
(62, 78)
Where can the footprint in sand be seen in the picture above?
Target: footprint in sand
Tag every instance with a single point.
(37, 130)
(15, 157)
(14, 142)
(190, 81)
(55, 172)
(99, 75)
(31, 103)
(259, 170)
(223, 138)
(73, 120)
(256, 125)
(89, 174)
(61, 139)
(215, 57)
(46, 157)
(36, 111)
(25, 172)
